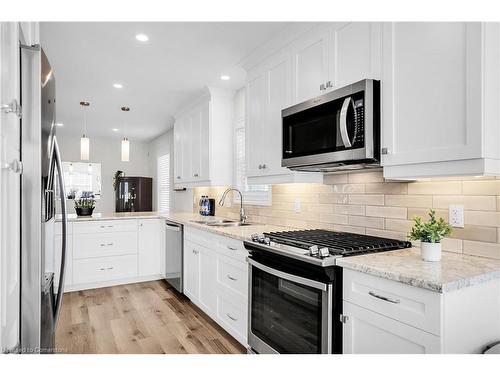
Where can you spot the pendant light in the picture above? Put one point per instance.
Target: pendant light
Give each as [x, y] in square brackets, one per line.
[84, 141]
[125, 142]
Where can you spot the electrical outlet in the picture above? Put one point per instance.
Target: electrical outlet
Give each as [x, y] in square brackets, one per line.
[297, 205]
[456, 212]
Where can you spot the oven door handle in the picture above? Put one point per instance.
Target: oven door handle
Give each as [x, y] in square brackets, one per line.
[343, 121]
[283, 275]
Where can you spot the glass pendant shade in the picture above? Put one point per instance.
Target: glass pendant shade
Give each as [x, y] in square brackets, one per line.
[84, 148]
[125, 149]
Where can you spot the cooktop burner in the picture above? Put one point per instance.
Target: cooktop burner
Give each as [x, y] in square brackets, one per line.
[338, 243]
[320, 246]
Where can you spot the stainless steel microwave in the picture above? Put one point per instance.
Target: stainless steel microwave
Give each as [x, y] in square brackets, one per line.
[337, 131]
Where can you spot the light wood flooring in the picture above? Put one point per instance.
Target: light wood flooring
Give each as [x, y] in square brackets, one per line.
[144, 318]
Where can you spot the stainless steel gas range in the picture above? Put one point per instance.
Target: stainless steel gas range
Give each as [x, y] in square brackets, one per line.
[295, 288]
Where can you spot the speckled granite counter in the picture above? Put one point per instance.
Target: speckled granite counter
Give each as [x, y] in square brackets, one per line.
[455, 271]
[185, 218]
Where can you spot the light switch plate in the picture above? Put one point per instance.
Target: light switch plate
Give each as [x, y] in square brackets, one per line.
[297, 205]
[456, 215]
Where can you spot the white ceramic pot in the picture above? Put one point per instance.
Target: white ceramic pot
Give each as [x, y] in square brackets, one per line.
[431, 252]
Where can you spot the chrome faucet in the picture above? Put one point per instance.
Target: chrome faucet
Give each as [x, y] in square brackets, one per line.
[243, 217]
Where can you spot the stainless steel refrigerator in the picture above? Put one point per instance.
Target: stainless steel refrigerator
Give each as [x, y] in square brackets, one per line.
[40, 303]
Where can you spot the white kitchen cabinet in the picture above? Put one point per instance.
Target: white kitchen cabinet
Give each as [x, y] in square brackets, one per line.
[149, 247]
[440, 94]
[268, 92]
[203, 140]
[367, 332]
[355, 53]
[207, 280]
[310, 64]
[191, 271]
[216, 279]
[386, 316]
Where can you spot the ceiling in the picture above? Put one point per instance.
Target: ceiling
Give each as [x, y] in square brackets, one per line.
[177, 61]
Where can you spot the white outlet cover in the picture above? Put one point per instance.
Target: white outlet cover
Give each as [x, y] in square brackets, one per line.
[297, 205]
[456, 215]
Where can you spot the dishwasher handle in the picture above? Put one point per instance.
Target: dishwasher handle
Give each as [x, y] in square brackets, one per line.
[173, 227]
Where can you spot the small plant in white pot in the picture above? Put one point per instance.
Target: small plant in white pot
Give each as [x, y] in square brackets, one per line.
[430, 235]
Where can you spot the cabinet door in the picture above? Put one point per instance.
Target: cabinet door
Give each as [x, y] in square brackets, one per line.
[208, 280]
[149, 247]
[431, 92]
[205, 141]
[196, 142]
[367, 332]
[187, 149]
[309, 66]
[191, 271]
[256, 123]
[178, 151]
[356, 53]
[278, 98]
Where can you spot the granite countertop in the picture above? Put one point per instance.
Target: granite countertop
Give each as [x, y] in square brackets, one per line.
[186, 218]
[455, 271]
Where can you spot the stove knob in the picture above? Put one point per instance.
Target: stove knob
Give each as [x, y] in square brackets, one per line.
[313, 250]
[255, 237]
[267, 241]
[260, 238]
[323, 252]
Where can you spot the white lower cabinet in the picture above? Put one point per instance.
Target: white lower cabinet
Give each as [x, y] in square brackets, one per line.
[367, 332]
[385, 316]
[216, 279]
[110, 252]
[149, 234]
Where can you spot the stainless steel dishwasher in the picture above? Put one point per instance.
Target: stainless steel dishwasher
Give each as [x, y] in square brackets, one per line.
[174, 254]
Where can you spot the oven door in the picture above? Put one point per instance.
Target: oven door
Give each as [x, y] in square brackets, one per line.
[288, 314]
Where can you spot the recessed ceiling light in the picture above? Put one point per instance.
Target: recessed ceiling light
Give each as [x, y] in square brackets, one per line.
[142, 37]
[60, 124]
[117, 85]
[115, 129]
[225, 77]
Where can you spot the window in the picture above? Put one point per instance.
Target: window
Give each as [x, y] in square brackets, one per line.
[253, 194]
[163, 179]
[81, 180]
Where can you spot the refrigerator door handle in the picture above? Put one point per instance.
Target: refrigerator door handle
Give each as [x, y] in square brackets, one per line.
[60, 289]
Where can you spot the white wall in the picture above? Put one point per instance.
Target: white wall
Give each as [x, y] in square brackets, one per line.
[108, 153]
[163, 144]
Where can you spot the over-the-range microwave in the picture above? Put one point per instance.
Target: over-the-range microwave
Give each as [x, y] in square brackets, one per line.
[336, 131]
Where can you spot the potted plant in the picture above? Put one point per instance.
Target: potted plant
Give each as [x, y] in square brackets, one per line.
[84, 206]
[430, 235]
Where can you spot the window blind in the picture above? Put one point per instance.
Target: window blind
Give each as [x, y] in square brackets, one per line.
[163, 182]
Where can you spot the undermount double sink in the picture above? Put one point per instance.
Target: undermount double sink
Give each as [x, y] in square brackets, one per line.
[220, 223]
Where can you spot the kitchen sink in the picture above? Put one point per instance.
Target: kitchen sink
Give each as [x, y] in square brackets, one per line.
[220, 223]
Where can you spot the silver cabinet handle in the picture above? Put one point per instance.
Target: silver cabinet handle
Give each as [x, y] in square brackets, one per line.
[106, 269]
[322, 87]
[231, 317]
[384, 151]
[329, 84]
[232, 278]
[260, 166]
[178, 177]
[196, 252]
[195, 175]
[109, 244]
[387, 299]
[232, 248]
[264, 166]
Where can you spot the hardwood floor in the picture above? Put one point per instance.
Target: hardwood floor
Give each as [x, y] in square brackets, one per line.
[146, 318]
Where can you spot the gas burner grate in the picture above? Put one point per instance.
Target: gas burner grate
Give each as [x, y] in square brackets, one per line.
[338, 243]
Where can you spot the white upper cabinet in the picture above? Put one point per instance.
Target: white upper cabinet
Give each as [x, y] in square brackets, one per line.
[310, 65]
[203, 140]
[356, 53]
[440, 99]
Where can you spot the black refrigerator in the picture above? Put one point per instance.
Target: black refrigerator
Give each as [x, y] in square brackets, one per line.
[134, 194]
